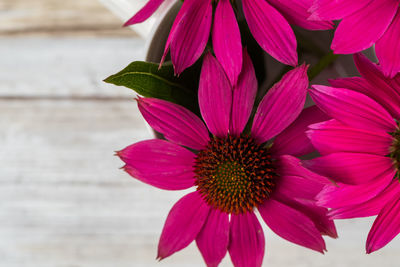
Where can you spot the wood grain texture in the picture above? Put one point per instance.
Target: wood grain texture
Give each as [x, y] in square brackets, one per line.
[65, 67]
[55, 17]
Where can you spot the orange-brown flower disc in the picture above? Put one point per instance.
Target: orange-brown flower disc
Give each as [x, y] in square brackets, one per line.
[234, 174]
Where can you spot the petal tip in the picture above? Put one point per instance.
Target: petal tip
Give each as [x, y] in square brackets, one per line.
[126, 24]
[368, 249]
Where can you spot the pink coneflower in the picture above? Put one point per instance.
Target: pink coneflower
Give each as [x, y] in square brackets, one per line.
[268, 21]
[364, 23]
[234, 172]
[360, 149]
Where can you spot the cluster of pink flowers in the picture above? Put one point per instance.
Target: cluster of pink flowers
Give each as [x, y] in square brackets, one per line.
[241, 156]
[268, 21]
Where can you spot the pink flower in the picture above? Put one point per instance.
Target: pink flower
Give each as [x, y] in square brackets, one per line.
[360, 149]
[268, 21]
[364, 23]
[233, 172]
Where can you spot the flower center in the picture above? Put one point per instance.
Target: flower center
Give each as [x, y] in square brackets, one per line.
[234, 174]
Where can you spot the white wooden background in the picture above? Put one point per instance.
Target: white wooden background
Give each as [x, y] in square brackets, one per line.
[63, 200]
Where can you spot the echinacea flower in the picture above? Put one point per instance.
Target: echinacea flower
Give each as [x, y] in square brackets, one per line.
[233, 172]
[268, 21]
[364, 23]
[360, 149]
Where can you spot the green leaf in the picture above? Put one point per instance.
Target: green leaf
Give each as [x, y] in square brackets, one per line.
[147, 80]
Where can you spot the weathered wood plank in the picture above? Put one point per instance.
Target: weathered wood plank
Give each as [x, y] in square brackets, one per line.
[65, 67]
[54, 17]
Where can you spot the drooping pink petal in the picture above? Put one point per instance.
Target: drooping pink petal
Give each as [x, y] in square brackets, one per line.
[271, 30]
[281, 105]
[337, 9]
[319, 215]
[291, 225]
[297, 187]
[145, 12]
[293, 140]
[369, 208]
[381, 89]
[183, 224]
[291, 166]
[246, 245]
[226, 40]
[343, 195]
[352, 108]
[332, 136]
[191, 35]
[387, 48]
[160, 163]
[386, 226]
[364, 27]
[244, 94]
[175, 122]
[213, 239]
[350, 168]
[296, 12]
[386, 96]
[215, 96]
[182, 11]
[295, 181]
[299, 194]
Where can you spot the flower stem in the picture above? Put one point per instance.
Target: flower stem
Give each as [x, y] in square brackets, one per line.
[324, 62]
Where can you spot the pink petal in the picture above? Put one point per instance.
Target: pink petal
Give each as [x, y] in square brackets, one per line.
[226, 40]
[297, 187]
[308, 207]
[291, 225]
[344, 195]
[183, 224]
[358, 84]
[385, 95]
[318, 215]
[160, 163]
[184, 9]
[337, 9]
[295, 181]
[293, 140]
[213, 239]
[363, 28]
[350, 168]
[395, 82]
[296, 12]
[381, 89]
[271, 30]
[191, 35]
[145, 12]
[215, 96]
[176, 123]
[369, 208]
[244, 94]
[333, 136]
[352, 108]
[281, 105]
[292, 166]
[247, 242]
[386, 226]
[387, 48]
